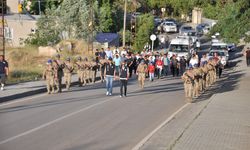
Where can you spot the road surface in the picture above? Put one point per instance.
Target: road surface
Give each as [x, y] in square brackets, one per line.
[86, 118]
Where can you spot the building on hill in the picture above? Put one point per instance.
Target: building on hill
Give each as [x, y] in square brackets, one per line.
[17, 26]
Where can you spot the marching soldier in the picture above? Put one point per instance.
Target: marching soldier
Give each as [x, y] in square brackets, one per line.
[201, 76]
[205, 76]
[68, 69]
[87, 68]
[188, 78]
[58, 66]
[80, 70]
[196, 82]
[102, 63]
[141, 72]
[211, 72]
[92, 72]
[48, 75]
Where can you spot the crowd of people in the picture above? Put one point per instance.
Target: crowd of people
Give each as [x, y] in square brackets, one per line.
[120, 65]
[201, 74]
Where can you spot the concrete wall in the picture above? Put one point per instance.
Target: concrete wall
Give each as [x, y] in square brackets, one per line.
[12, 6]
[21, 29]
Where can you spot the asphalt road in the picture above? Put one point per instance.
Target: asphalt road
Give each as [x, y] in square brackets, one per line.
[87, 119]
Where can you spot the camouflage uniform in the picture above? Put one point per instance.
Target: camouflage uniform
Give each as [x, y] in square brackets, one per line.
[141, 71]
[80, 71]
[196, 82]
[58, 66]
[188, 79]
[201, 74]
[86, 71]
[102, 63]
[205, 77]
[49, 74]
[68, 69]
[211, 73]
[92, 72]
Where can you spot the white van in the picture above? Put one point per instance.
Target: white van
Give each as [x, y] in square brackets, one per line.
[181, 46]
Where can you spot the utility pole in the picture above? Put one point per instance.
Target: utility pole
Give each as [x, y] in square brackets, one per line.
[91, 28]
[124, 24]
[3, 22]
[39, 6]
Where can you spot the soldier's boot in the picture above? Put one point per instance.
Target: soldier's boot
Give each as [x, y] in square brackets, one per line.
[48, 89]
[142, 84]
[53, 89]
[80, 82]
[189, 100]
[67, 86]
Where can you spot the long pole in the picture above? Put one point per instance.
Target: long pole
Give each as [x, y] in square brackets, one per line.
[124, 24]
[92, 27]
[3, 28]
[39, 5]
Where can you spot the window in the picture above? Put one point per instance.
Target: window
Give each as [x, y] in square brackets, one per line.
[8, 33]
[4, 7]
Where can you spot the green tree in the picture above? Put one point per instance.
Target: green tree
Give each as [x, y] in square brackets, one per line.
[105, 17]
[233, 21]
[145, 29]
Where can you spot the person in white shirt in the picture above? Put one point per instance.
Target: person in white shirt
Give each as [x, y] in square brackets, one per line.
[116, 51]
[109, 53]
[194, 60]
[124, 52]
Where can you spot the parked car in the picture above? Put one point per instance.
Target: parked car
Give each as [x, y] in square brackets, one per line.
[200, 28]
[136, 14]
[185, 29]
[172, 20]
[157, 21]
[231, 47]
[169, 26]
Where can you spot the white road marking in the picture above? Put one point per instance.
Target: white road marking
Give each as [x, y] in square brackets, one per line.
[145, 139]
[54, 121]
[58, 119]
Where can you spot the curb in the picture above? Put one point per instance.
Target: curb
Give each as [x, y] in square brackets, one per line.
[35, 92]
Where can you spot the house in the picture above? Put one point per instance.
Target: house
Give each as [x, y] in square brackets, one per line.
[106, 40]
[17, 26]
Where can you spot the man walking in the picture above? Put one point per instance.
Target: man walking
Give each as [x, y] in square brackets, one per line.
[58, 65]
[4, 71]
[68, 69]
[80, 69]
[174, 66]
[247, 54]
[123, 74]
[188, 78]
[151, 70]
[48, 75]
[117, 61]
[141, 72]
[102, 63]
[109, 75]
[109, 53]
[159, 66]
[166, 63]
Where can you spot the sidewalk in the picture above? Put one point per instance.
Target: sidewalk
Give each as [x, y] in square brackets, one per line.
[21, 90]
[24, 89]
[220, 123]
